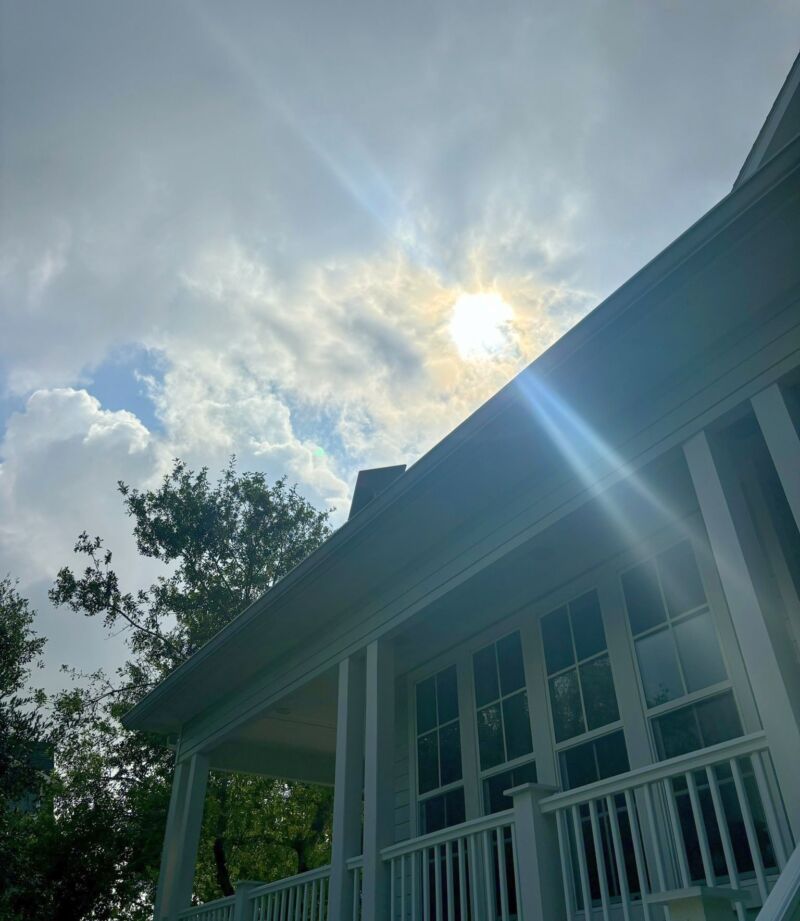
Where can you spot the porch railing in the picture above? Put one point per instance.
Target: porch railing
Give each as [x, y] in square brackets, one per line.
[218, 910]
[713, 817]
[464, 872]
[355, 867]
[297, 898]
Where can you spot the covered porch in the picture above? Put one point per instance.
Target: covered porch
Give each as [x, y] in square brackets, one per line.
[527, 830]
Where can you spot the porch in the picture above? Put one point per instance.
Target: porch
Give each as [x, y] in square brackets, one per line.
[600, 721]
[711, 819]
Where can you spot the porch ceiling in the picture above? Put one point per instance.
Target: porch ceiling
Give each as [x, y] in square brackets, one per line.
[293, 740]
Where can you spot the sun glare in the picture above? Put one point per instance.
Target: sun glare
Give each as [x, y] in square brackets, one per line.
[479, 325]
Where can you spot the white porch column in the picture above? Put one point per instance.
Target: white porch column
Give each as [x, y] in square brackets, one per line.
[378, 778]
[182, 836]
[169, 850]
[769, 690]
[347, 786]
[782, 441]
[540, 887]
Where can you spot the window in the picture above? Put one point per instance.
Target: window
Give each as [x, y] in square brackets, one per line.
[678, 653]
[504, 725]
[439, 770]
[581, 690]
[595, 760]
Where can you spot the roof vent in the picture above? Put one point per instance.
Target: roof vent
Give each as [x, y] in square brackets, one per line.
[371, 483]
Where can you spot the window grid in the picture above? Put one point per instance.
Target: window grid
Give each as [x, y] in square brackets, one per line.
[436, 728]
[668, 625]
[507, 765]
[689, 699]
[498, 701]
[587, 733]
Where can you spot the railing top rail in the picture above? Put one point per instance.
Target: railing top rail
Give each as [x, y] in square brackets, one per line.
[355, 863]
[206, 906]
[735, 748]
[298, 880]
[473, 826]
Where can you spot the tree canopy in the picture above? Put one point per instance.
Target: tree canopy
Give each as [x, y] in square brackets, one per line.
[93, 848]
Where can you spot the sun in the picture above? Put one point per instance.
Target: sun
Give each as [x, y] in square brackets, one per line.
[479, 325]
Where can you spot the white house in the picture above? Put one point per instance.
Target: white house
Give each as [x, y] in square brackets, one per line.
[552, 669]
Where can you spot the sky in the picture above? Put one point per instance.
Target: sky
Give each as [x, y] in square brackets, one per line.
[318, 235]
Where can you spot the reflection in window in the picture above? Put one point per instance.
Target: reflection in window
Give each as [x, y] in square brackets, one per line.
[503, 718]
[687, 729]
[588, 762]
[580, 682]
[678, 652]
[439, 751]
[494, 787]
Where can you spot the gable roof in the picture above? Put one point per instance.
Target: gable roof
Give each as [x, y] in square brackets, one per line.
[782, 125]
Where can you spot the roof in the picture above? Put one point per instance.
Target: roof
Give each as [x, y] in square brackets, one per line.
[781, 126]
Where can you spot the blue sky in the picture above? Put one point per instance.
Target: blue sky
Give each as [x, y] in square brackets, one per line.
[319, 235]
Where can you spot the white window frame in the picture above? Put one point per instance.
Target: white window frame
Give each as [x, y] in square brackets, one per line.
[667, 542]
[435, 668]
[566, 597]
[522, 760]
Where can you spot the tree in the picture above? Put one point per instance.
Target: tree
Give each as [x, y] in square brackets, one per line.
[222, 545]
[22, 736]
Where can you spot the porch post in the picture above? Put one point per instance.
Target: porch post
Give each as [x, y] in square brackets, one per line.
[540, 887]
[347, 786]
[783, 442]
[770, 692]
[182, 837]
[378, 778]
[169, 850]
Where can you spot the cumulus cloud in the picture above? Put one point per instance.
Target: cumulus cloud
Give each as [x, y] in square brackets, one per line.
[61, 457]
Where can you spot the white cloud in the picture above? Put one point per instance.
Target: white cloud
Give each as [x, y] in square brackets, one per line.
[287, 207]
[61, 458]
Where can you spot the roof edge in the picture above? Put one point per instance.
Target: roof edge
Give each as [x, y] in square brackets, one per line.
[755, 158]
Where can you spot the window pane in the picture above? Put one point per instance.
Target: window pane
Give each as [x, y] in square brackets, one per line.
[432, 814]
[599, 699]
[447, 694]
[680, 579]
[557, 641]
[517, 723]
[719, 719]
[699, 651]
[442, 811]
[490, 737]
[454, 811]
[578, 766]
[587, 625]
[677, 733]
[659, 668]
[493, 787]
[485, 671]
[426, 705]
[612, 755]
[566, 705]
[428, 761]
[509, 658]
[450, 753]
[643, 598]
